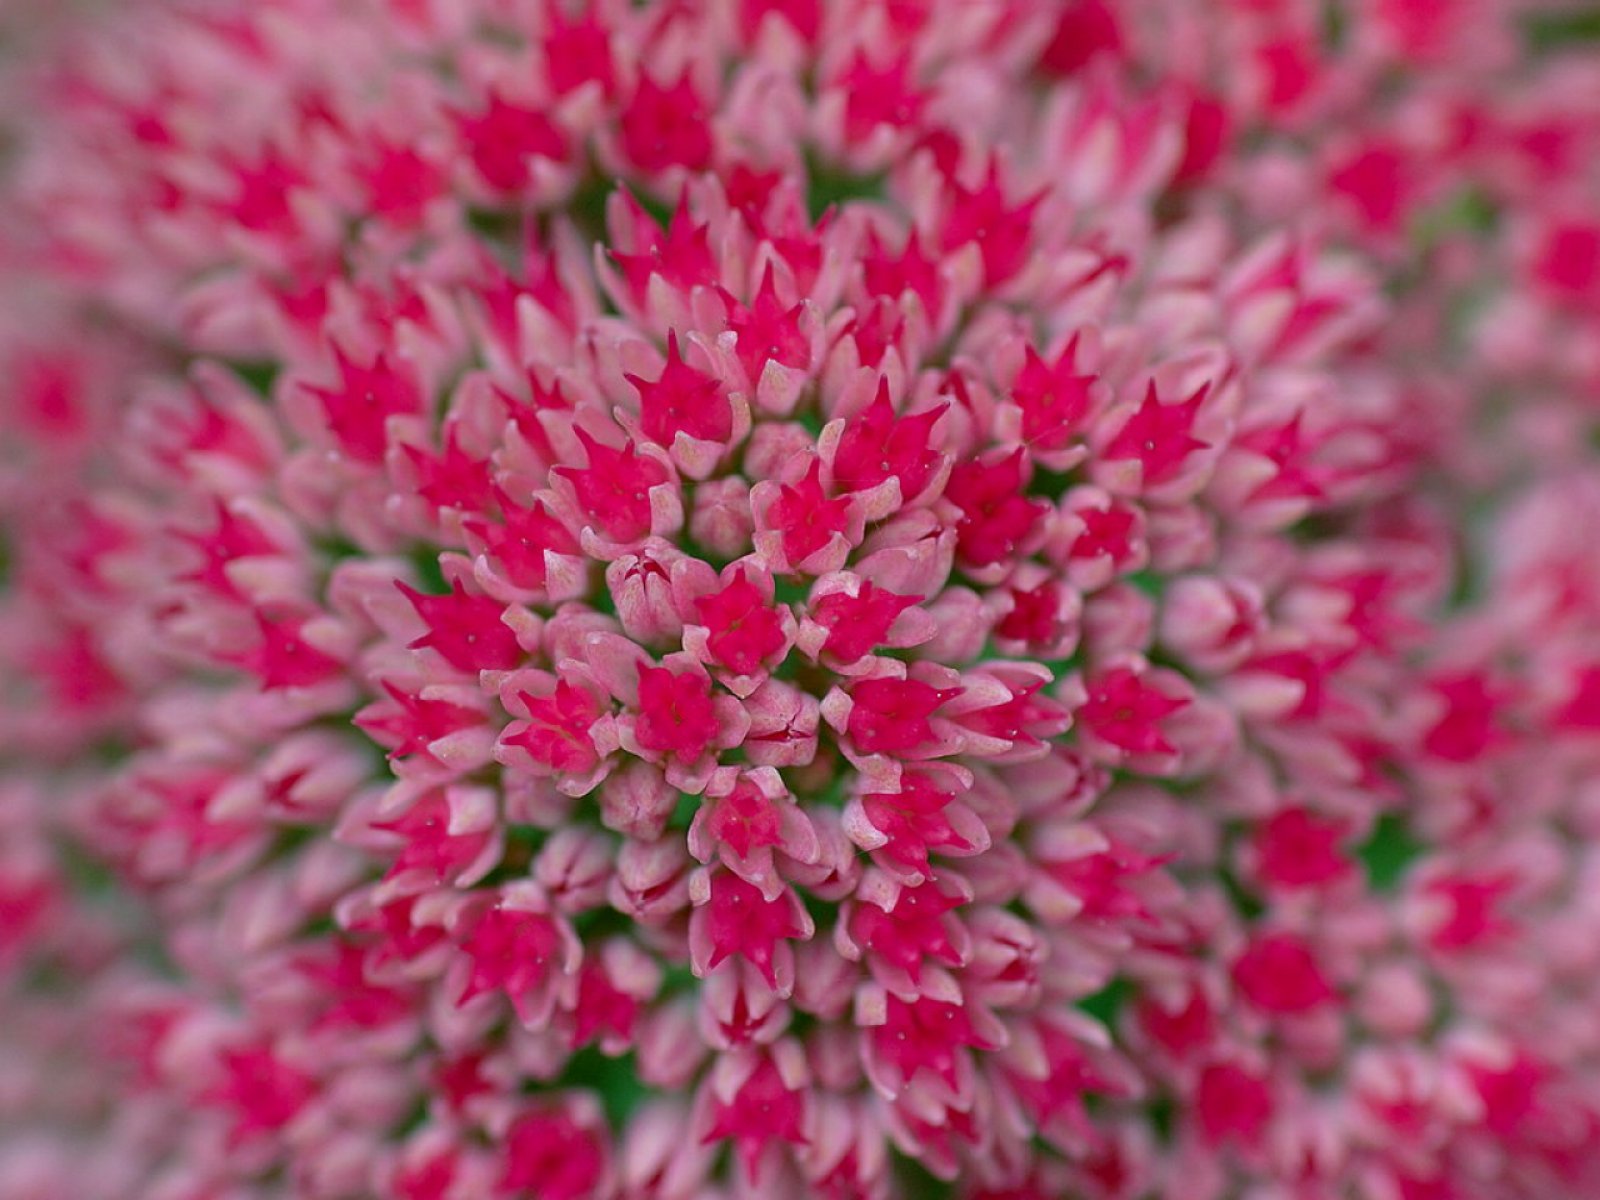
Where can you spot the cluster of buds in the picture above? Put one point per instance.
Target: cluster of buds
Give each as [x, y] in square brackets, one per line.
[781, 598]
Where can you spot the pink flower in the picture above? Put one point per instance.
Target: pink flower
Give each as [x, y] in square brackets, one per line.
[1231, 1103]
[521, 953]
[736, 919]
[683, 400]
[676, 715]
[874, 447]
[997, 518]
[505, 136]
[765, 1109]
[891, 715]
[743, 630]
[464, 630]
[665, 126]
[1277, 973]
[614, 489]
[552, 1152]
[1125, 712]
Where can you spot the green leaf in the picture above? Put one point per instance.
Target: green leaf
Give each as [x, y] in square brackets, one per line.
[918, 1183]
[1245, 902]
[430, 576]
[683, 812]
[1389, 852]
[827, 187]
[615, 1080]
[1051, 485]
[258, 376]
[1110, 1000]
[1552, 30]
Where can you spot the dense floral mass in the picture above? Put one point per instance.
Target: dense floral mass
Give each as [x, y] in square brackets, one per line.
[875, 599]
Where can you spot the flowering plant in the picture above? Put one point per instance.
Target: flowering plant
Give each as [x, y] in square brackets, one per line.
[800, 598]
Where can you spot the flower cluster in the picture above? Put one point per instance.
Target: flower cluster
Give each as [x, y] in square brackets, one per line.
[801, 598]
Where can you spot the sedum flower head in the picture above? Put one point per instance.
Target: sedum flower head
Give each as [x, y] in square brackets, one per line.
[786, 599]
